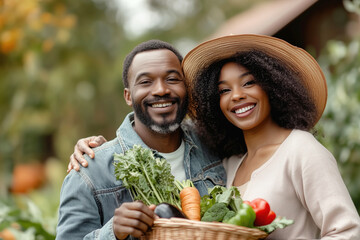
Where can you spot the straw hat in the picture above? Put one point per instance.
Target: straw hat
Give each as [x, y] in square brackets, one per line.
[295, 58]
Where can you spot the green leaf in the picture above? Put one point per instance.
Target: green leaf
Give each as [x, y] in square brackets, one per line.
[213, 192]
[218, 194]
[227, 195]
[206, 203]
[279, 222]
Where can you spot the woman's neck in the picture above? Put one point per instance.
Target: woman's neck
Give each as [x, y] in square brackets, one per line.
[269, 135]
[261, 143]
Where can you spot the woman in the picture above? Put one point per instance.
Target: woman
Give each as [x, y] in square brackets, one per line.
[254, 99]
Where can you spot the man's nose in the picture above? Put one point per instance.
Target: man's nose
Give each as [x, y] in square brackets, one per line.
[160, 88]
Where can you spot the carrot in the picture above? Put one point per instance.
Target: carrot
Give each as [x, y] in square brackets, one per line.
[190, 199]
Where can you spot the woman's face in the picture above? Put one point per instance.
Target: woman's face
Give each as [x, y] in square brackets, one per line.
[242, 100]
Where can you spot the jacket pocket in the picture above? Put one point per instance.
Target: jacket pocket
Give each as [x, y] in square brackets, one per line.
[109, 199]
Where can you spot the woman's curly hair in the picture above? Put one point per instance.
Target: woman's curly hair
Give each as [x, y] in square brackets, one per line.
[291, 105]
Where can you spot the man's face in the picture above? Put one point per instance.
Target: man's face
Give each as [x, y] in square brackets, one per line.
[157, 90]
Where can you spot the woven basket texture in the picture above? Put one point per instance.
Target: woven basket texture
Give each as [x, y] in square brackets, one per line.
[184, 229]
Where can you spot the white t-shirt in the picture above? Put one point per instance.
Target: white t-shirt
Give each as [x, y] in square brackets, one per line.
[301, 181]
[176, 160]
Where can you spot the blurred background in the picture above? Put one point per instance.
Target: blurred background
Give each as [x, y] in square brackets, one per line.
[60, 80]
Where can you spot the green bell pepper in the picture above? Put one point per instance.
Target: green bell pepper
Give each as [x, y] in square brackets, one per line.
[245, 216]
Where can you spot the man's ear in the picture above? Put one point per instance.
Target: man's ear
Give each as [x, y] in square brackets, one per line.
[127, 97]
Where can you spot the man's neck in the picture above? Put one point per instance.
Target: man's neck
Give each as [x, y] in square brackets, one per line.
[164, 143]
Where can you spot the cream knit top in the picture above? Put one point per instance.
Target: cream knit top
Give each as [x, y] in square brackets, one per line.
[301, 181]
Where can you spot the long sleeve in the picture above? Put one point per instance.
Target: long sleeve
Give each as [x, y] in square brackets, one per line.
[79, 216]
[322, 191]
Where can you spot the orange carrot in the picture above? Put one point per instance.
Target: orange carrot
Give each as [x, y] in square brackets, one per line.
[190, 199]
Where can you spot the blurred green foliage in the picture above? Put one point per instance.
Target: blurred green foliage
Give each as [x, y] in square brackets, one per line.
[24, 220]
[60, 80]
[340, 126]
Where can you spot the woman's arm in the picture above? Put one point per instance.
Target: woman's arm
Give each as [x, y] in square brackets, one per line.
[83, 146]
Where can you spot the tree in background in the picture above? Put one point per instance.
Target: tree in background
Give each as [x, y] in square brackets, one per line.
[53, 66]
[61, 68]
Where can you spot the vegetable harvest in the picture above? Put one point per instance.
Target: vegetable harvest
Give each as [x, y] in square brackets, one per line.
[149, 179]
[190, 199]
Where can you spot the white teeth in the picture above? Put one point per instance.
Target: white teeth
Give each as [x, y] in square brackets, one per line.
[242, 110]
[161, 105]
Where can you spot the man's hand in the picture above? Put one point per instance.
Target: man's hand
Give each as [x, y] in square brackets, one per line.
[84, 145]
[133, 218]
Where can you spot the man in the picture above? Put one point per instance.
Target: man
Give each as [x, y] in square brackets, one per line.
[93, 204]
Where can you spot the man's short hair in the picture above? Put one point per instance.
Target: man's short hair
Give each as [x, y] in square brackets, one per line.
[143, 47]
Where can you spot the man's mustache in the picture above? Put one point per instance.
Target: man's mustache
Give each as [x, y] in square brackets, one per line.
[161, 99]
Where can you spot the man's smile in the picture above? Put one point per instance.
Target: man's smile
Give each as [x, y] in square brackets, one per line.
[161, 105]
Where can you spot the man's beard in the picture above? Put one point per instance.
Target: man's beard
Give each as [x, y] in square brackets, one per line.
[164, 127]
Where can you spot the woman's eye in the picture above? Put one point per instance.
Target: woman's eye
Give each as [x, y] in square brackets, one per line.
[224, 90]
[249, 83]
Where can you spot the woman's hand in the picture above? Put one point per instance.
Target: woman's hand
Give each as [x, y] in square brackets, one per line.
[83, 146]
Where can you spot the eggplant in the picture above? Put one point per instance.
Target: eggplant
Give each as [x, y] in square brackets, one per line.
[166, 210]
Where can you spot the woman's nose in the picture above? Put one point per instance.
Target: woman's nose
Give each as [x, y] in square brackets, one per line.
[237, 94]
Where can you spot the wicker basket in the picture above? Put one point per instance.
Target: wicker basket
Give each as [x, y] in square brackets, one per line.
[179, 228]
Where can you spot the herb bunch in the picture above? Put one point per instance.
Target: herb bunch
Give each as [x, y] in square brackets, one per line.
[148, 178]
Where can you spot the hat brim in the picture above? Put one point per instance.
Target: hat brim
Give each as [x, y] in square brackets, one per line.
[297, 59]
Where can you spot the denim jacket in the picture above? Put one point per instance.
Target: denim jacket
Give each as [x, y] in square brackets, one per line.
[89, 197]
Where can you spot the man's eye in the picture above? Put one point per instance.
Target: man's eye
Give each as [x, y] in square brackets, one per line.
[174, 79]
[144, 81]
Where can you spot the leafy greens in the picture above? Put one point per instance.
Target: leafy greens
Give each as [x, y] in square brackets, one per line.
[148, 178]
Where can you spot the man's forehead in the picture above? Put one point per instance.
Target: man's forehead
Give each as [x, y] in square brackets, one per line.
[155, 55]
[154, 61]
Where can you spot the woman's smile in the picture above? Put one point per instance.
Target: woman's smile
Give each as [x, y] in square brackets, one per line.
[242, 110]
